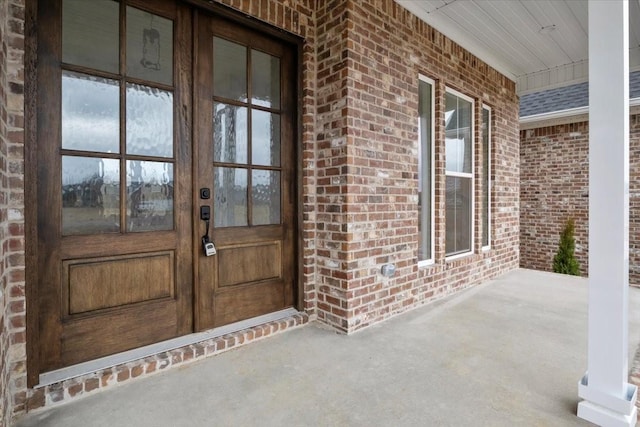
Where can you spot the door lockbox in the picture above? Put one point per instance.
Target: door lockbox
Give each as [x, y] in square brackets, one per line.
[209, 247]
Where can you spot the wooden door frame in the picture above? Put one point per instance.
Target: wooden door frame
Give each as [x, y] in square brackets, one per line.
[32, 76]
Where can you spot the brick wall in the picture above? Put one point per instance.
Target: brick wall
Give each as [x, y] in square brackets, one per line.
[554, 185]
[370, 53]
[358, 149]
[12, 302]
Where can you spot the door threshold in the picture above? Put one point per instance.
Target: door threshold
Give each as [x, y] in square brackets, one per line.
[91, 366]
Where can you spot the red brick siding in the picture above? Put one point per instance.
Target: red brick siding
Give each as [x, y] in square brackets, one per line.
[554, 185]
[369, 186]
[12, 301]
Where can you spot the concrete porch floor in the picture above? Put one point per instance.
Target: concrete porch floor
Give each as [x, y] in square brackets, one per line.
[508, 352]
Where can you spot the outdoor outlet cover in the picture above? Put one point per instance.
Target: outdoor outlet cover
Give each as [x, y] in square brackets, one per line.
[388, 270]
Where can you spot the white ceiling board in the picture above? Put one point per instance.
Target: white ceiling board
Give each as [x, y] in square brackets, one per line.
[474, 20]
[506, 34]
[453, 31]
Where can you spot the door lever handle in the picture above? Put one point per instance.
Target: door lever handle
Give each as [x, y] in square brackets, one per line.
[205, 213]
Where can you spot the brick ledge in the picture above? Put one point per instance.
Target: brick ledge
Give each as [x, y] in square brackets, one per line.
[77, 387]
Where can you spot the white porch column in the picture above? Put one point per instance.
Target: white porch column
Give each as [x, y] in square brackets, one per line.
[608, 399]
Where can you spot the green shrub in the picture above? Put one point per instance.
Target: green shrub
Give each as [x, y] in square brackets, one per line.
[565, 261]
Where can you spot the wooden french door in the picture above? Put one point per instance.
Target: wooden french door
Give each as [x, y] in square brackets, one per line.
[245, 118]
[114, 177]
[119, 195]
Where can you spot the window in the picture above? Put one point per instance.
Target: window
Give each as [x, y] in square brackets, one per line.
[486, 177]
[425, 170]
[459, 173]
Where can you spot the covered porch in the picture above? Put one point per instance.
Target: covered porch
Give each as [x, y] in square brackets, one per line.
[507, 352]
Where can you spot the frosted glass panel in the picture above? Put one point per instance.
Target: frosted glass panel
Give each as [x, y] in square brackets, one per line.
[265, 138]
[229, 133]
[90, 113]
[265, 197]
[229, 69]
[90, 195]
[149, 121]
[230, 197]
[265, 79]
[149, 46]
[149, 196]
[90, 34]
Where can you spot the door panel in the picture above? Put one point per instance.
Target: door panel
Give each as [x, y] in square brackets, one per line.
[114, 178]
[245, 125]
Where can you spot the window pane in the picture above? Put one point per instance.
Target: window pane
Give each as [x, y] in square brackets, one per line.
[486, 133]
[229, 133]
[458, 118]
[230, 197]
[149, 121]
[90, 195]
[149, 46]
[229, 69]
[265, 79]
[149, 196]
[458, 215]
[90, 34]
[265, 138]
[90, 113]
[265, 197]
[425, 170]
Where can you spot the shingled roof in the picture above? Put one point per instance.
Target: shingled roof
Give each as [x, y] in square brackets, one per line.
[567, 97]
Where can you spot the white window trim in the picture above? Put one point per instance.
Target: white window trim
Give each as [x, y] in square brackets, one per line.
[490, 183]
[466, 175]
[431, 260]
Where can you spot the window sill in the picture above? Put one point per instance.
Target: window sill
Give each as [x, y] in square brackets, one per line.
[458, 256]
[426, 263]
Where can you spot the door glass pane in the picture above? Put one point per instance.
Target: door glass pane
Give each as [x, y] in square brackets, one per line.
[265, 138]
[229, 69]
[149, 46]
[149, 121]
[90, 195]
[458, 215]
[265, 79]
[265, 197]
[90, 34]
[90, 113]
[149, 196]
[229, 133]
[230, 197]
[458, 115]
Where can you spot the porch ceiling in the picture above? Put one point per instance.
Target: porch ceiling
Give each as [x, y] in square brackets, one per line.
[539, 44]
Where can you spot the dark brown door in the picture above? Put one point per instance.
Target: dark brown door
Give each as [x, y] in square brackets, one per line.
[114, 177]
[245, 111]
[120, 260]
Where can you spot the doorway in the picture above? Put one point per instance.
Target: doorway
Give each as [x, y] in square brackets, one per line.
[158, 128]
